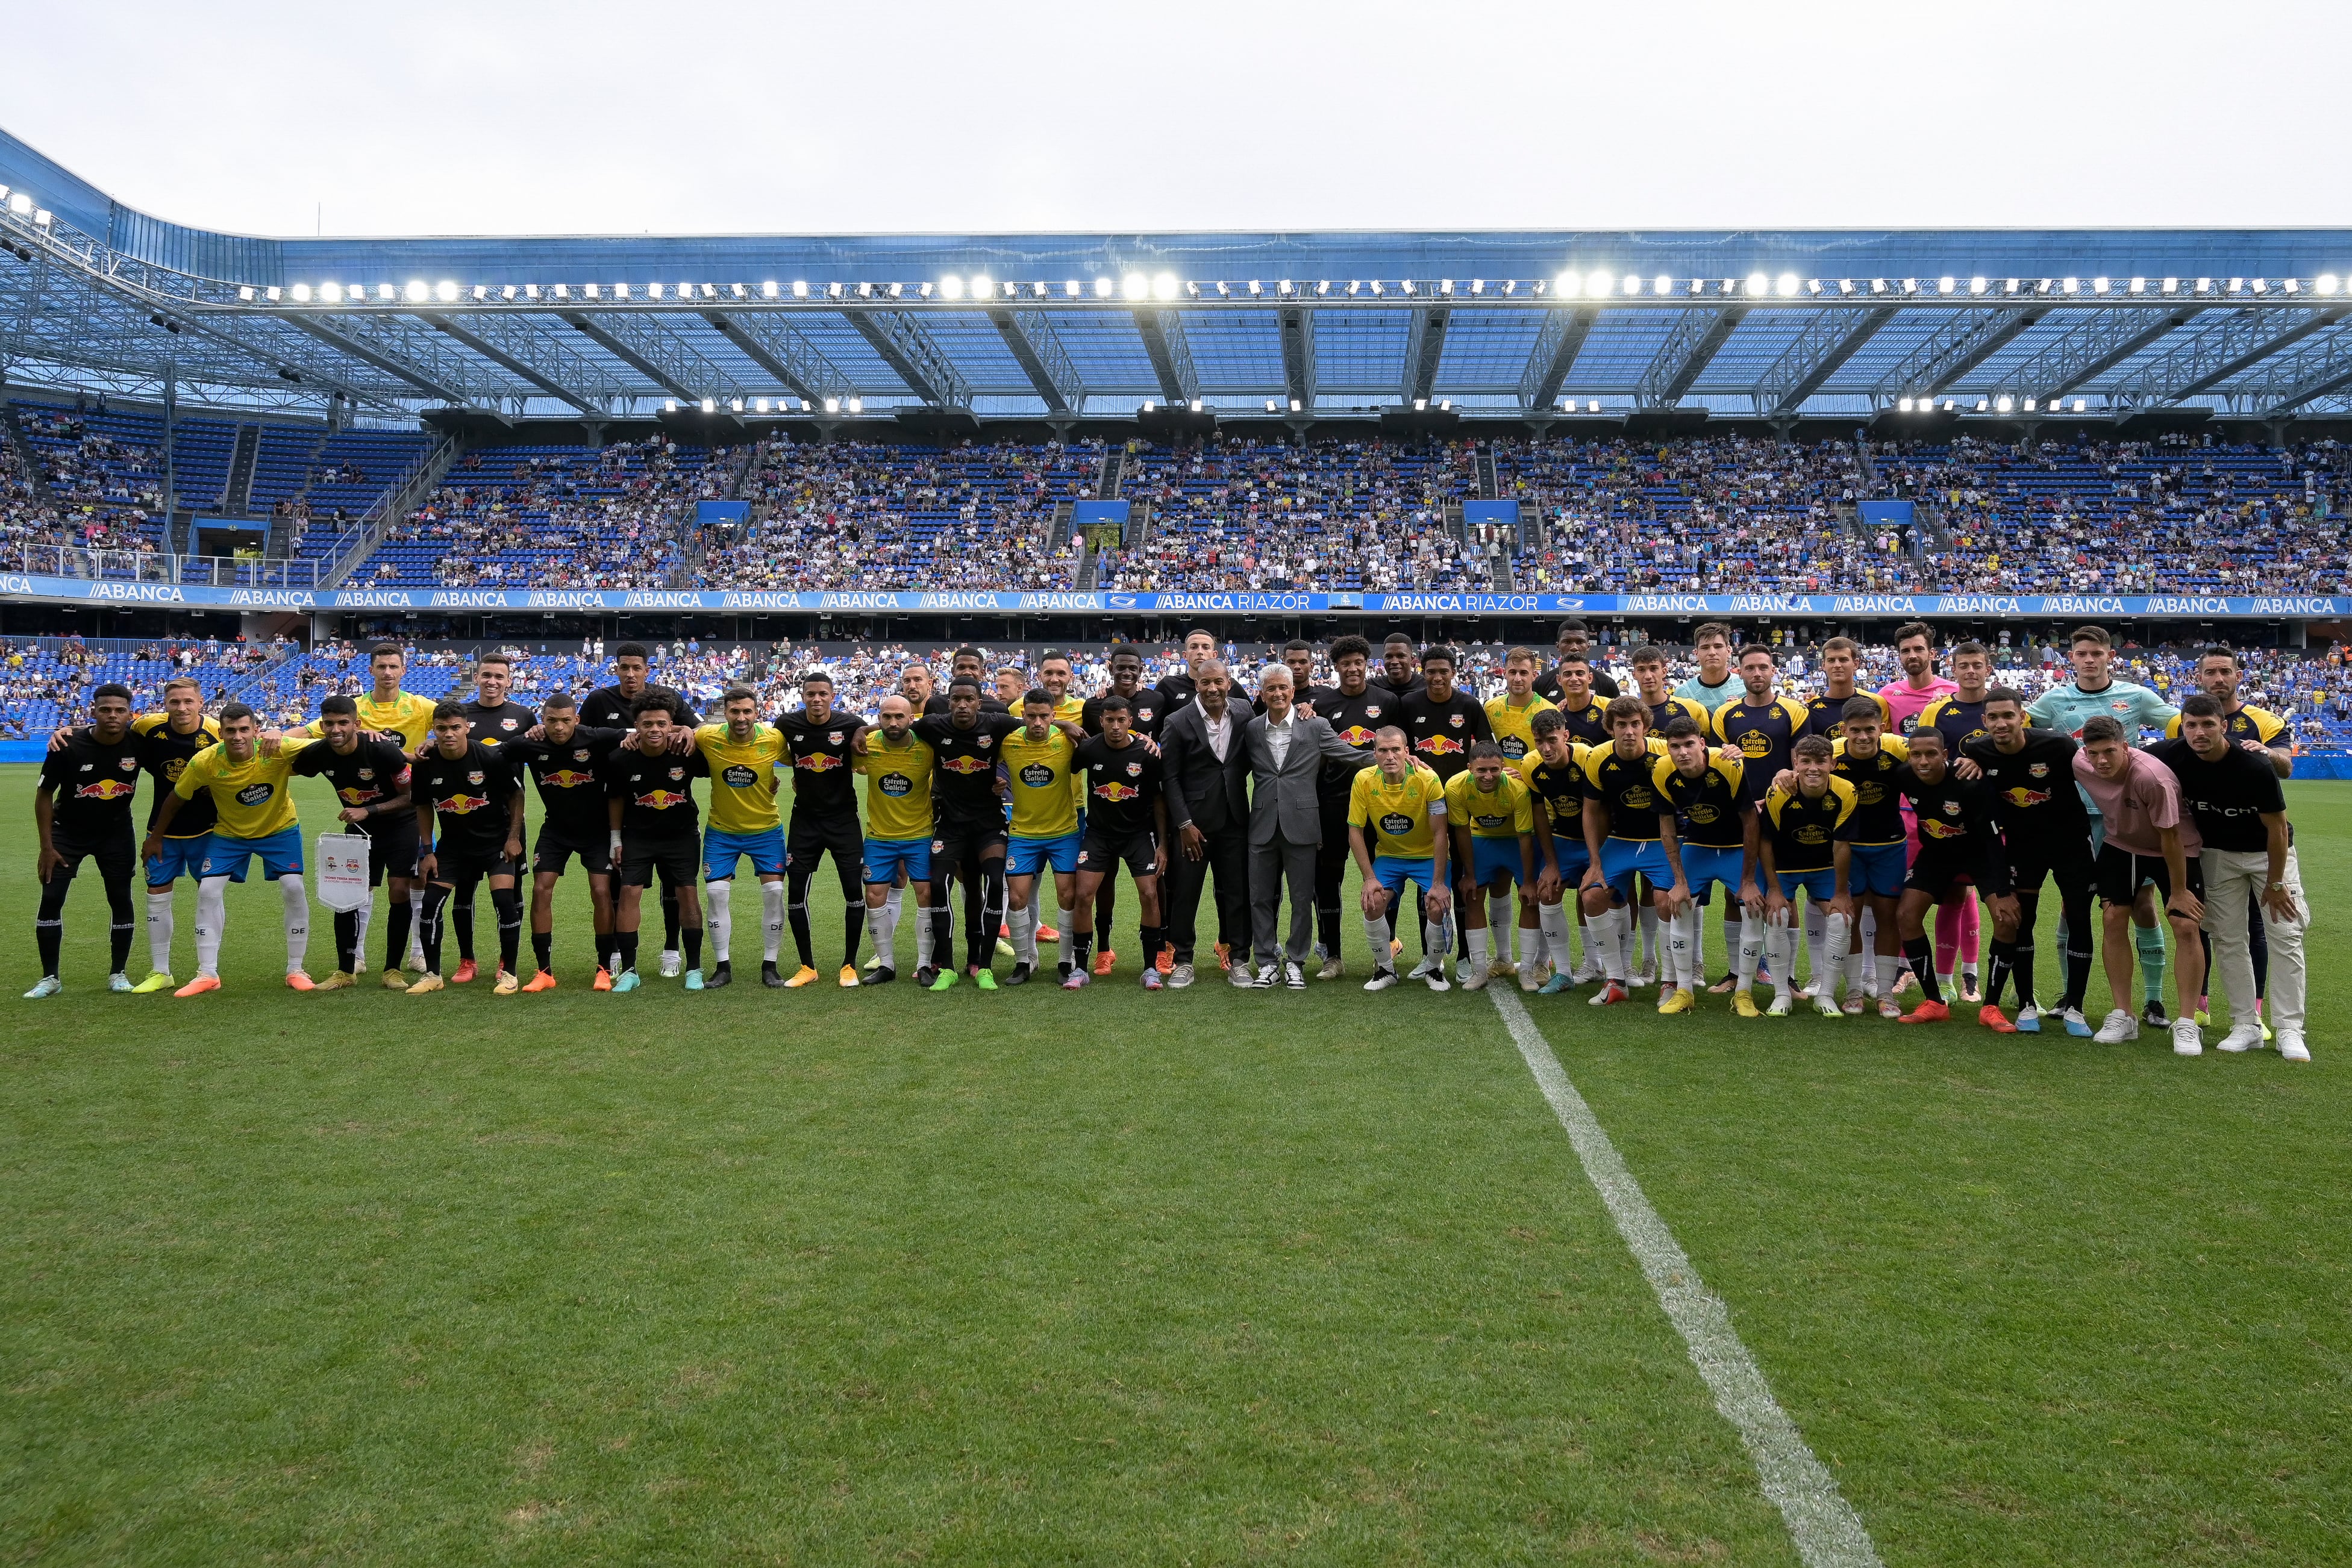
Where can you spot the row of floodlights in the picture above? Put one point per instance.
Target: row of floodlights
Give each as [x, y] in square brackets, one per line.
[778, 406]
[2004, 403]
[1138, 286]
[22, 205]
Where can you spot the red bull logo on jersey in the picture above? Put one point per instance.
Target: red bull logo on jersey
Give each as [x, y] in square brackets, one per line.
[106, 790]
[358, 795]
[567, 779]
[663, 800]
[1357, 736]
[1115, 791]
[1441, 745]
[967, 764]
[1937, 828]
[818, 761]
[2020, 796]
[463, 805]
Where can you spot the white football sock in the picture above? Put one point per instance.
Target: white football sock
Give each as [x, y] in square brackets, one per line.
[159, 931]
[1649, 954]
[1376, 932]
[771, 920]
[880, 921]
[1816, 945]
[1751, 949]
[1890, 970]
[1680, 935]
[1617, 943]
[297, 921]
[923, 931]
[1441, 943]
[1551, 919]
[1500, 921]
[1835, 937]
[211, 914]
[416, 924]
[1477, 963]
[1065, 919]
[1024, 925]
[1852, 966]
[1779, 939]
[720, 917]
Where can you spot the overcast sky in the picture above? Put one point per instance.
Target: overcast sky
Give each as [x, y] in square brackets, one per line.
[482, 118]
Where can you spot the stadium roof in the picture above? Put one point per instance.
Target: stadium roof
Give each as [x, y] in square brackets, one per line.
[2252, 324]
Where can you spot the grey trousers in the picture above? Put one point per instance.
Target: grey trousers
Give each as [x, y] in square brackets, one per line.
[1270, 865]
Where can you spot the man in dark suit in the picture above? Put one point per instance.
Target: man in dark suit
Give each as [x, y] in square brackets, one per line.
[1287, 751]
[1204, 766]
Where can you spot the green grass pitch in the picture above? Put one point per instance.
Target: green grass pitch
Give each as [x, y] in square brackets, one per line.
[1206, 1277]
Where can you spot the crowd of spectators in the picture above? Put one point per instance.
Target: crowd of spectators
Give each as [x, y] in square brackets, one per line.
[94, 490]
[858, 515]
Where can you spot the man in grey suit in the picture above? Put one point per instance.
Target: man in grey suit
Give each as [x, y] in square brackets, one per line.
[1287, 751]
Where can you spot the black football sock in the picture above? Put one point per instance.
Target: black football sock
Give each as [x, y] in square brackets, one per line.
[1920, 953]
[2004, 961]
[543, 948]
[626, 943]
[1081, 943]
[395, 930]
[1155, 935]
[693, 937]
[1106, 906]
[507, 901]
[669, 919]
[117, 901]
[942, 918]
[50, 924]
[853, 927]
[460, 917]
[429, 932]
[347, 941]
[796, 891]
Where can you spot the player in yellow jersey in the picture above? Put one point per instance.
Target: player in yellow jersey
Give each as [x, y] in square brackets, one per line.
[1806, 837]
[254, 816]
[742, 755]
[1396, 811]
[1054, 677]
[1491, 824]
[897, 770]
[1043, 826]
[403, 718]
[1512, 717]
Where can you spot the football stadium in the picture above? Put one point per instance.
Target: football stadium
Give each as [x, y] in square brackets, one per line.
[1685, 863]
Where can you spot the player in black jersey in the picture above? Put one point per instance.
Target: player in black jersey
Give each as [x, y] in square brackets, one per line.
[1442, 722]
[82, 810]
[493, 719]
[370, 778]
[1126, 823]
[968, 838]
[1400, 674]
[615, 708]
[2045, 830]
[476, 796]
[1146, 709]
[1583, 707]
[1840, 661]
[652, 831]
[1357, 711]
[824, 821]
[1959, 855]
[1574, 642]
[1176, 690]
[565, 757]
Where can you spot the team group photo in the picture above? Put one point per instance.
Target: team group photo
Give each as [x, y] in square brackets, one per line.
[1314, 787]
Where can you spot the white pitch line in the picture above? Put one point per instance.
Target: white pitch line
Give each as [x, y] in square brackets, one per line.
[1827, 1530]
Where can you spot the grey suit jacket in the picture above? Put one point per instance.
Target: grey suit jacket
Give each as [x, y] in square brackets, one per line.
[1287, 801]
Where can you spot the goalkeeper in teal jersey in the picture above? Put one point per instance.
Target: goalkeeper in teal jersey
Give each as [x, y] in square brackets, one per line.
[2092, 692]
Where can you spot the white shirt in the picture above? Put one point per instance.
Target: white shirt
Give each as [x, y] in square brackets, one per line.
[1221, 730]
[1277, 736]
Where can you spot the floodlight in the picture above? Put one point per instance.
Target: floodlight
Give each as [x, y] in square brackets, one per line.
[2204, 286]
[1447, 406]
[1420, 405]
[2029, 406]
[1568, 283]
[2098, 285]
[21, 204]
[1511, 283]
[1978, 284]
[1105, 288]
[982, 286]
[1196, 406]
[244, 292]
[866, 291]
[1375, 287]
[1406, 287]
[2080, 404]
[759, 405]
[709, 406]
[833, 291]
[2071, 284]
[531, 290]
[735, 404]
[1072, 289]
[2326, 283]
[857, 405]
[1135, 285]
[2237, 286]
[2260, 286]
[1633, 284]
[1255, 289]
[1148, 405]
[2005, 404]
[832, 406]
[418, 291]
[1845, 285]
[1812, 285]
[595, 292]
[386, 292]
[924, 290]
[1758, 283]
[2172, 286]
[272, 294]
[2292, 286]
[1164, 286]
[653, 291]
[951, 287]
[1878, 285]
[1445, 286]
[1594, 407]
[1270, 405]
[302, 293]
[1477, 285]
[1661, 284]
[1903, 404]
[768, 290]
[1224, 290]
[686, 291]
[1294, 405]
[669, 405]
[1786, 285]
[2136, 286]
[3, 192]
[445, 291]
[1354, 285]
[800, 288]
[41, 218]
[1946, 284]
[1980, 405]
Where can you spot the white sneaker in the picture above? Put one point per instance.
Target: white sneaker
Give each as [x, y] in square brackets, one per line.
[2244, 1037]
[1532, 977]
[670, 964]
[117, 981]
[1828, 1008]
[47, 985]
[1641, 978]
[1332, 969]
[2120, 1027]
[1421, 971]
[1473, 977]
[1382, 980]
[2291, 1045]
[1294, 975]
[1783, 1004]
[1435, 980]
[2186, 1040]
[415, 963]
